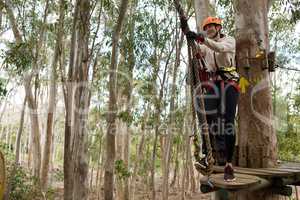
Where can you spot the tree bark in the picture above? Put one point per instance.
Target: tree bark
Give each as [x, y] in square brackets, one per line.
[81, 99]
[52, 96]
[202, 10]
[69, 104]
[156, 132]
[112, 108]
[128, 94]
[171, 127]
[36, 151]
[8, 7]
[32, 104]
[186, 144]
[138, 158]
[257, 139]
[20, 131]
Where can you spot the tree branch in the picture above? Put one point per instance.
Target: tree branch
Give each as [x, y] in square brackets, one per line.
[8, 7]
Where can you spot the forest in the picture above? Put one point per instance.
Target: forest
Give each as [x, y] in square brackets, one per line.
[96, 102]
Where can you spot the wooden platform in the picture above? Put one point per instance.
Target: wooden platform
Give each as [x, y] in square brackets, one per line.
[254, 179]
[261, 172]
[243, 181]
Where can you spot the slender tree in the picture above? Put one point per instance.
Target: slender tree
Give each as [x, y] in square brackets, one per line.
[52, 95]
[112, 108]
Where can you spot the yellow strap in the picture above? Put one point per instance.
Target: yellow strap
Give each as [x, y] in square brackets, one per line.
[228, 69]
[244, 83]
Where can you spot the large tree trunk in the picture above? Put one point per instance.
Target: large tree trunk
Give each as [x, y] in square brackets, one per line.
[257, 139]
[81, 99]
[111, 118]
[52, 95]
[69, 104]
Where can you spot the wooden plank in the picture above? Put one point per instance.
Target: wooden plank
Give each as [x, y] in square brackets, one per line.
[293, 171]
[242, 181]
[289, 180]
[261, 172]
[292, 165]
[219, 169]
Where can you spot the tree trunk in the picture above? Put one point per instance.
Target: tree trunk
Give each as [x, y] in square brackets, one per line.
[99, 163]
[202, 10]
[168, 148]
[119, 153]
[9, 9]
[82, 102]
[176, 164]
[128, 94]
[172, 104]
[156, 132]
[111, 118]
[34, 128]
[4, 107]
[137, 161]
[51, 107]
[69, 104]
[18, 144]
[32, 104]
[186, 145]
[20, 131]
[257, 139]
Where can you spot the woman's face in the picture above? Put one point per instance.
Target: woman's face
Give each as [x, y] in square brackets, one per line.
[211, 30]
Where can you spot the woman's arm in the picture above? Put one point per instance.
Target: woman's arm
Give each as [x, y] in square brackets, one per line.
[225, 45]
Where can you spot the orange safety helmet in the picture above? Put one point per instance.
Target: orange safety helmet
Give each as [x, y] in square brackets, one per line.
[211, 20]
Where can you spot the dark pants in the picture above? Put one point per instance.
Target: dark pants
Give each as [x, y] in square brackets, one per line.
[220, 109]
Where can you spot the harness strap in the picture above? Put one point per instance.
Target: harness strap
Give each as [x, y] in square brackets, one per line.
[226, 73]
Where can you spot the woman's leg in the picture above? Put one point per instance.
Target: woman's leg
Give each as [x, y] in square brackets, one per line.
[231, 100]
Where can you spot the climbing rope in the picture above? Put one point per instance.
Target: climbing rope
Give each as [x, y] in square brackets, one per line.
[195, 64]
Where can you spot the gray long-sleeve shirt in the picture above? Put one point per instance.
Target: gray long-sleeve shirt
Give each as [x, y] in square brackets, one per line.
[224, 50]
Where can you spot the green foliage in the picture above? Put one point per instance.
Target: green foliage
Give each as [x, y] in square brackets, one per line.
[18, 58]
[121, 170]
[23, 186]
[226, 12]
[287, 112]
[7, 151]
[3, 89]
[144, 167]
[289, 148]
[292, 8]
[125, 116]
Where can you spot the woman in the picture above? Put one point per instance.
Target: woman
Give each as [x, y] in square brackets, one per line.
[221, 97]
